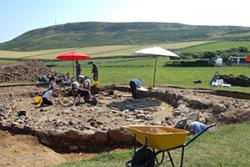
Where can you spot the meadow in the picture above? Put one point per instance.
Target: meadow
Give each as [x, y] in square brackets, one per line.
[121, 71]
[97, 51]
[217, 45]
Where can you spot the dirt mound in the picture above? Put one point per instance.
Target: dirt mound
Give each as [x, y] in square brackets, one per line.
[22, 71]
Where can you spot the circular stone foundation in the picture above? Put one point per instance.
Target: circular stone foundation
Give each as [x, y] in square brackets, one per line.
[85, 127]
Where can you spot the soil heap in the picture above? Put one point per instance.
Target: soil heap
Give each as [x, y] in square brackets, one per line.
[22, 71]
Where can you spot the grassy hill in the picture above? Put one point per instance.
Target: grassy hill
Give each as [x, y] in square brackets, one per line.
[87, 34]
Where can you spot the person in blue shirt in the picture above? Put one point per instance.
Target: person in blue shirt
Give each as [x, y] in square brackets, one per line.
[134, 85]
[47, 98]
[195, 127]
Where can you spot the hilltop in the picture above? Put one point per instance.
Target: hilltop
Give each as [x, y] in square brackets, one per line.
[101, 33]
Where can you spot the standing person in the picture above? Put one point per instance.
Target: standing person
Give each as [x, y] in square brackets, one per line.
[78, 70]
[94, 70]
[134, 84]
[47, 98]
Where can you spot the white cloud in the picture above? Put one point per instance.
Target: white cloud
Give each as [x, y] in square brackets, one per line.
[200, 12]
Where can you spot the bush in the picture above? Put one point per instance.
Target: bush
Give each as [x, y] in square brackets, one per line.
[192, 63]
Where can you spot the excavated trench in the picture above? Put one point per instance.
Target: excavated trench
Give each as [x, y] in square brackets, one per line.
[67, 128]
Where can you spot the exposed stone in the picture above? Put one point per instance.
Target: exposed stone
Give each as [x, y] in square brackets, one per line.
[197, 104]
[218, 108]
[177, 113]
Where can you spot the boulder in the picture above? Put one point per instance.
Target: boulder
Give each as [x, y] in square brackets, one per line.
[218, 108]
[197, 104]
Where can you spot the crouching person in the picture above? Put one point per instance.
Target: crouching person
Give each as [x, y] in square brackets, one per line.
[47, 98]
[78, 92]
[134, 85]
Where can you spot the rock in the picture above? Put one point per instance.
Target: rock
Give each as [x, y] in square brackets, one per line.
[177, 113]
[197, 104]
[167, 118]
[66, 111]
[140, 116]
[73, 109]
[15, 124]
[194, 116]
[87, 135]
[218, 108]
[129, 119]
[94, 124]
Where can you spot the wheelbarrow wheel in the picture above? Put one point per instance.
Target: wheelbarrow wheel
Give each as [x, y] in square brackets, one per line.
[142, 158]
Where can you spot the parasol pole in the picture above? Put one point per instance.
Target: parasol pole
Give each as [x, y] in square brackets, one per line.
[155, 70]
[73, 69]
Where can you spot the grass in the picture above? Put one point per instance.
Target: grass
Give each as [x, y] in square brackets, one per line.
[121, 71]
[6, 61]
[214, 46]
[228, 147]
[97, 51]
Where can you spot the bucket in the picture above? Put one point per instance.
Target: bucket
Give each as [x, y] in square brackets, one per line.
[38, 99]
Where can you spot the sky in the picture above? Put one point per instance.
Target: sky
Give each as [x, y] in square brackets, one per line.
[20, 16]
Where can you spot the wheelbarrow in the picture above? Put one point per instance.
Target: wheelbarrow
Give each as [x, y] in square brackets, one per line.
[161, 139]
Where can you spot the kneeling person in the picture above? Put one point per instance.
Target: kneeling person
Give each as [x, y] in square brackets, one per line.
[47, 98]
[134, 84]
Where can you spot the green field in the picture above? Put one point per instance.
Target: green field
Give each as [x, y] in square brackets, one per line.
[214, 46]
[97, 51]
[121, 71]
[228, 147]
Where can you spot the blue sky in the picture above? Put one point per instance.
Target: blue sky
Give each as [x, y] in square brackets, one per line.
[20, 16]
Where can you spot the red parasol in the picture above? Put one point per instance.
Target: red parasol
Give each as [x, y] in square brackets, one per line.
[72, 56]
[248, 58]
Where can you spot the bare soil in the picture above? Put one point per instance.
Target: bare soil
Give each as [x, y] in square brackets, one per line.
[26, 151]
[22, 71]
[64, 127]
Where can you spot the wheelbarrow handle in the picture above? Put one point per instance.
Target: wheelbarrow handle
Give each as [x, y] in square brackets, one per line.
[197, 135]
